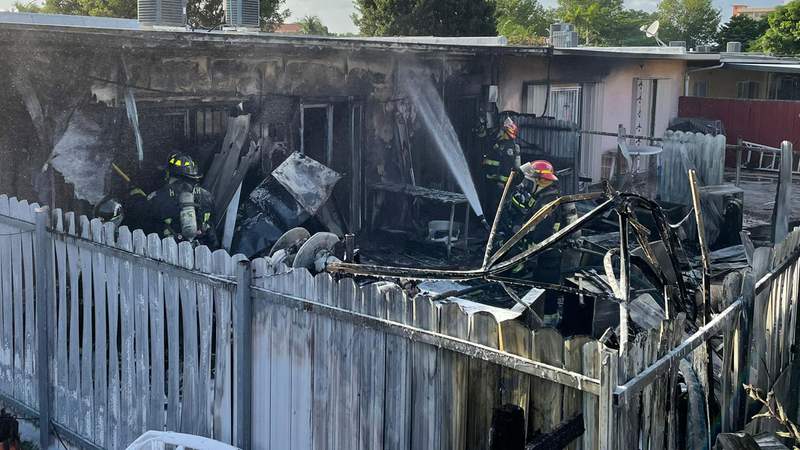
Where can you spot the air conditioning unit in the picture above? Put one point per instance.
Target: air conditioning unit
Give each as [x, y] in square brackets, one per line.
[734, 47]
[703, 49]
[242, 13]
[677, 44]
[564, 39]
[162, 12]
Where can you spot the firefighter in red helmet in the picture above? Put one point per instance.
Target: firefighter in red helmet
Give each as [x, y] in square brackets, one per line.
[539, 187]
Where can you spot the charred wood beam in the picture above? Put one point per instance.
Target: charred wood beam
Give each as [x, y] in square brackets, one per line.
[561, 436]
[497, 217]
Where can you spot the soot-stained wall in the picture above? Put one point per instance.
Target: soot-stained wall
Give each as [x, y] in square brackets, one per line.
[65, 92]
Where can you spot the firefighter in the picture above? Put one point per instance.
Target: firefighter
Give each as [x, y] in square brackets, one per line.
[539, 188]
[500, 160]
[182, 208]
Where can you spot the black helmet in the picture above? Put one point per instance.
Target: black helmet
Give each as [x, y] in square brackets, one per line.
[182, 165]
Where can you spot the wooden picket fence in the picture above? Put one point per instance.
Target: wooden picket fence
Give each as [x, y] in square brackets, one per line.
[360, 386]
[146, 334]
[140, 337]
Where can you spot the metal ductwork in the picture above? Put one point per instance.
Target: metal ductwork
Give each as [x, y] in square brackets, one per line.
[242, 13]
[162, 12]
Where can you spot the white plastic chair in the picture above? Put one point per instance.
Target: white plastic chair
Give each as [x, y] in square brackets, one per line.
[159, 440]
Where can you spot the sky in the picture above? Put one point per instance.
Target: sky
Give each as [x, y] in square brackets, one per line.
[335, 14]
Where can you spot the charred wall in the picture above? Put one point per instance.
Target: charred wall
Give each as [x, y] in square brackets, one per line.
[65, 91]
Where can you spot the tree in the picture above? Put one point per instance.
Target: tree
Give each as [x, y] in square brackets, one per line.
[523, 21]
[200, 13]
[693, 21]
[741, 29]
[783, 35]
[425, 17]
[313, 25]
[605, 22]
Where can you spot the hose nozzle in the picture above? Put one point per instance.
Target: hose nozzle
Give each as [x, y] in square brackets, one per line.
[485, 223]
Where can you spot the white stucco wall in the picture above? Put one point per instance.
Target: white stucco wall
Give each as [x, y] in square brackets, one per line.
[614, 78]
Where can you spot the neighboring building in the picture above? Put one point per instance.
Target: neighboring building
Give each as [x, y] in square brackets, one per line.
[753, 12]
[290, 28]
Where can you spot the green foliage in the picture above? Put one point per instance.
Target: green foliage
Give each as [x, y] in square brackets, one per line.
[741, 29]
[106, 8]
[693, 21]
[605, 22]
[783, 35]
[523, 21]
[200, 13]
[425, 17]
[313, 25]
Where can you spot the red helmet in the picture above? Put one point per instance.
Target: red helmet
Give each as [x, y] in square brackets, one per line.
[510, 128]
[539, 169]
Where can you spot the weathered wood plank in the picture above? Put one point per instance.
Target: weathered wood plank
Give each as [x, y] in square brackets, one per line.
[205, 312]
[483, 395]
[169, 254]
[62, 409]
[346, 391]
[424, 388]
[372, 370]
[397, 433]
[762, 263]
[114, 425]
[516, 338]
[300, 346]
[191, 408]
[323, 365]
[280, 371]
[29, 358]
[453, 379]
[262, 360]
[100, 336]
[6, 293]
[155, 301]
[87, 345]
[573, 398]
[223, 392]
[75, 380]
[127, 299]
[142, 281]
[546, 396]
[591, 418]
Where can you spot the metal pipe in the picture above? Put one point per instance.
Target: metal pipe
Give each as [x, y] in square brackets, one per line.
[497, 217]
[699, 69]
[643, 379]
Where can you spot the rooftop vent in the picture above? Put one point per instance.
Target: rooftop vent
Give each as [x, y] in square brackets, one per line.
[162, 12]
[242, 13]
[734, 47]
[563, 35]
[677, 44]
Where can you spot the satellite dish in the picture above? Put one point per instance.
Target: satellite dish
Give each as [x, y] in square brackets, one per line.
[651, 31]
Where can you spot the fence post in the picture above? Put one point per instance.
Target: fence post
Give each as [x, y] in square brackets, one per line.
[738, 161]
[609, 359]
[43, 294]
[242, 333]
[783, 198]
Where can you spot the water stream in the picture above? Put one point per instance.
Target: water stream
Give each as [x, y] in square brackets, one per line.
[422, 92]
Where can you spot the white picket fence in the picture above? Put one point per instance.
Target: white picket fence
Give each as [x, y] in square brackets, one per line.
[140, 339]
[146, 334]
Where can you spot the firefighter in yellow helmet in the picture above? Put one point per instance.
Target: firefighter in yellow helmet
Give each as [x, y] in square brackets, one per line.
[182, 208]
